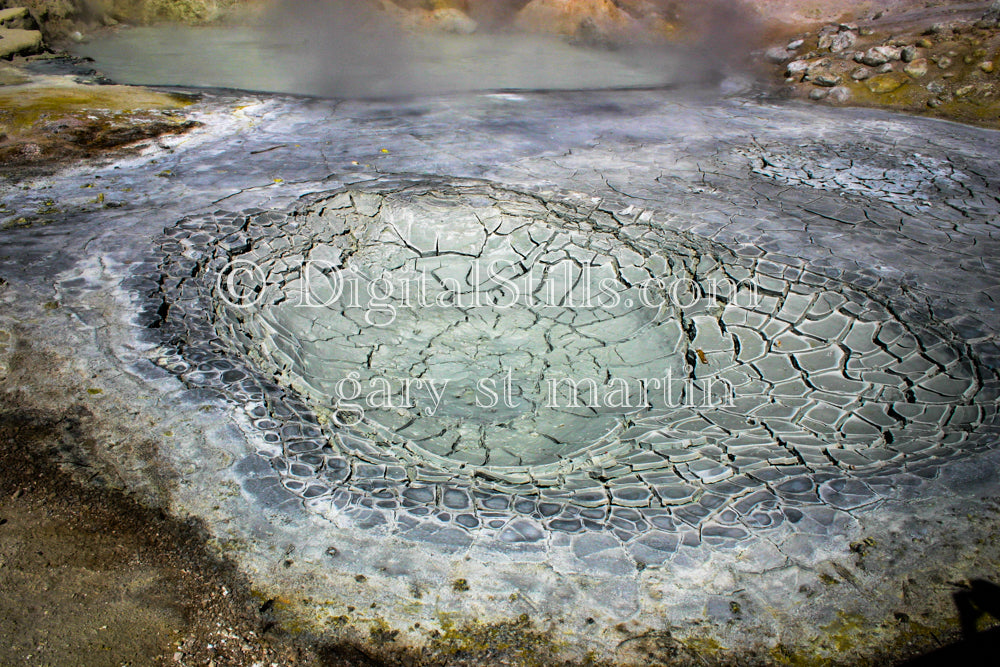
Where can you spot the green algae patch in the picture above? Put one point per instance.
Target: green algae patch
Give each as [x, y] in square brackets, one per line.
[22, 107]
[510, 642]
[44, 125]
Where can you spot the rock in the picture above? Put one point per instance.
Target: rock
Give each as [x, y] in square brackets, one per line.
[935, 87]
[866, 32]
[17, 42]
[879, 55]
[917, 68]
[908, 54]
[77, 36]
[884, 69]
[818, 94]
[777, 55]
[843, 41]
[449, 20]
[849, 26]
[986, 66]
[937, 29]
[886, 83]
[925, 43]
[861, 73]
[797, 68]
[18, 18]
[840, 94]
[795, 44]
[818, 68]
[933, 103]
[964, 91]
[944, 62]
[564, 17]
[826, 79]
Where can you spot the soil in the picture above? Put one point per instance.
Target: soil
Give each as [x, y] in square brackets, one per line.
[90, 577]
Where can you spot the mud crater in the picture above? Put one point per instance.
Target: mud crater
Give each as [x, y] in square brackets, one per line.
[823, 401]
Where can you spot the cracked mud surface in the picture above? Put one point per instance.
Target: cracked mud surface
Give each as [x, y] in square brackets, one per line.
[874, 417]
[821, 399]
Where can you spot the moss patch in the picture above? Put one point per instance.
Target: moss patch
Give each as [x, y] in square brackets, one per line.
[42, 126]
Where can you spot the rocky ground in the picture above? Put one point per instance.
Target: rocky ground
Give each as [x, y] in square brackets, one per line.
[90, 577]
[941, 62]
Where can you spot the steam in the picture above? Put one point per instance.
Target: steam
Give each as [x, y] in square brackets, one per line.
[359, 48]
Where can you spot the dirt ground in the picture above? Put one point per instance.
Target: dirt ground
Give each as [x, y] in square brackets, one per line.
[89, 577]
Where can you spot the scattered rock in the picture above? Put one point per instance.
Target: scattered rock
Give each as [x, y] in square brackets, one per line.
[884, 69]
[925, 43]
[917, 68]
[795, 44]
[908, 54]
[861, 73]
[937, 29]
[965, 90]
[886, 83]
[818, 94]
[944, 62]
[986, 66]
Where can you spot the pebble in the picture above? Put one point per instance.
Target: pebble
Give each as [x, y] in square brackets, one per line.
[795, 44]
[986, 66]
[917, 68]
[861, 73]
[818, 93]
[944, 62]
[909, 54]
[827, 80]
